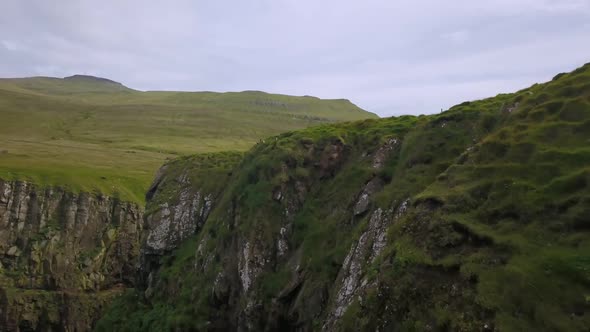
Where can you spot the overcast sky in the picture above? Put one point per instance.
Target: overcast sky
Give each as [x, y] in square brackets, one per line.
[387, 56]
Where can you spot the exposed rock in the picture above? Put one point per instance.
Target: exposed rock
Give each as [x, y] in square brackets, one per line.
[382, 154]
[171, 219]
[55, 240]
[362, 253]
[169, 226]
[203, 257]
[352, 268]
[512, 108]
[39, 310]
[402, 208]
[251, 263]
[277, 195]
[13, 251]
[282, 244]
[362, 204]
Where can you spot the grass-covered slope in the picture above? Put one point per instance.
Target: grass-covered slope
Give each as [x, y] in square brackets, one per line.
[89, 133]
[476, 219]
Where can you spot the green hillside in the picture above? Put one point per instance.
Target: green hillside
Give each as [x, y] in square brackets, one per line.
[476, 219]
[89, 133]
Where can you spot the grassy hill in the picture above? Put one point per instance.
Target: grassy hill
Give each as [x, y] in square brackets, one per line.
[90, 133]
[475, 219]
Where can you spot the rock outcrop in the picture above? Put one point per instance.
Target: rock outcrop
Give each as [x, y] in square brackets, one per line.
[63, 255]
[179, 202]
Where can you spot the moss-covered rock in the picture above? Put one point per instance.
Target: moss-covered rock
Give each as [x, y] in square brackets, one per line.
[59, 251]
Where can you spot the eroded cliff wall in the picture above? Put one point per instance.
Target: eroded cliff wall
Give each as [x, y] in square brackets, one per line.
[63, 255]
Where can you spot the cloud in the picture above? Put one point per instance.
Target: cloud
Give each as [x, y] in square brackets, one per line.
[10, 45]
[391, 57]
[457, 37]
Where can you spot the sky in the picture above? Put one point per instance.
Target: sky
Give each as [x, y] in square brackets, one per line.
[390, 57]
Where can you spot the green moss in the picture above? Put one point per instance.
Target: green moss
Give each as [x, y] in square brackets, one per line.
[273, 283]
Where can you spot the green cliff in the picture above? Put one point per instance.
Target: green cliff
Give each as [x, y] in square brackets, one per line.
[63, 255]
[475, 219]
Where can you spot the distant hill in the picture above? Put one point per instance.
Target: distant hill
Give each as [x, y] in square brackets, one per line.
[76, 84]
[89, 78]
[92, 133]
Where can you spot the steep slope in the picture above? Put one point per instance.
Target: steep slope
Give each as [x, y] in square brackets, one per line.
[91, 133]
[62, 255]
[473, 219]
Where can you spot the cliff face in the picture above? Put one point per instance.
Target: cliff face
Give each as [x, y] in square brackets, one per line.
[297, 234]
[63, 255]
[179, 202]
[475, 219]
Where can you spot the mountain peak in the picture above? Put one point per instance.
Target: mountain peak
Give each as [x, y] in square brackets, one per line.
[79, 77]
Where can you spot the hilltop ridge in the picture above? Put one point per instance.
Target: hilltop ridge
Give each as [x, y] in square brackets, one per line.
[91, 78]
[90, 133]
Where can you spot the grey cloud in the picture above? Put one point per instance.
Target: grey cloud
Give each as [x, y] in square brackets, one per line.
[391, 57]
